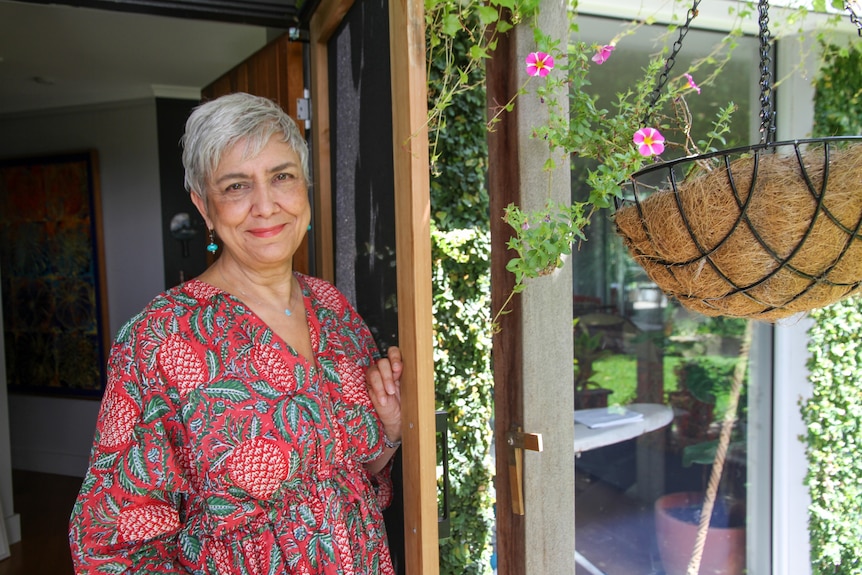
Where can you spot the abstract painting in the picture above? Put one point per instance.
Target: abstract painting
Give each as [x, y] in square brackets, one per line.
[52, 271]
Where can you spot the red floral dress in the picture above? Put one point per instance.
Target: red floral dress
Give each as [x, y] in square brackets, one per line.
[219, 450]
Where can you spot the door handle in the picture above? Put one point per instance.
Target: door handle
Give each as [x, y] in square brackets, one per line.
[518, 441]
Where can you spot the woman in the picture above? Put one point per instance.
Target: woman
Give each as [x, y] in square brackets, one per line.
[248, 420]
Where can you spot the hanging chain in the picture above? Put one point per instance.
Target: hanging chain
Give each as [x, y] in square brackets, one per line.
[854, 18]
[671, 60]
[767, 114]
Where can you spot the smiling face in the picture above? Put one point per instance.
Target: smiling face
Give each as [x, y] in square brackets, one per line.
[258, 206]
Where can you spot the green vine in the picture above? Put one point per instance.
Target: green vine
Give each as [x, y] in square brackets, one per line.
[460, 37]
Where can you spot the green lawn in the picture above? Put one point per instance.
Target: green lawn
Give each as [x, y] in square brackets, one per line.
[619, 373]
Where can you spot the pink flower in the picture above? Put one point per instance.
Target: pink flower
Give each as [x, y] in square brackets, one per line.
[649, 141]
[603, 54]
[539, 64]
[691, 83]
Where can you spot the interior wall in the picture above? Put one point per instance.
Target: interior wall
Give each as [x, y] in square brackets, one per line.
[52, 434]
[12, 521]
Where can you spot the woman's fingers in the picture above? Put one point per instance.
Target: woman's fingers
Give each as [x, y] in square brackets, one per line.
[397, 365]
[384, 389]
[384, 377]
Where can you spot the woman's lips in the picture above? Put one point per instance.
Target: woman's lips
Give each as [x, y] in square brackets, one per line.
[267, 232]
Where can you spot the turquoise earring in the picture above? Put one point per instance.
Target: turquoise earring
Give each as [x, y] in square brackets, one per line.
[212, 247]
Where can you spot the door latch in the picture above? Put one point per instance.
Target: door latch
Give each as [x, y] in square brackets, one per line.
[518, 441]
[303, 109]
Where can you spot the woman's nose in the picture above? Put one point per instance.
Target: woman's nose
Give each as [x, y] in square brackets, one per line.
[264, 200]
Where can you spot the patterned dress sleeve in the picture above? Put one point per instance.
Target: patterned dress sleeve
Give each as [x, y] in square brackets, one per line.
[355, 412]
[127, 514]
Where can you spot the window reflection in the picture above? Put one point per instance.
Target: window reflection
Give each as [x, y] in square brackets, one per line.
[634, 347]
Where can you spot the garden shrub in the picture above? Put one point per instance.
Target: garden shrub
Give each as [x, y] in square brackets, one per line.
[464, 383]
[833, 414]
[461, 306]
[833, 418]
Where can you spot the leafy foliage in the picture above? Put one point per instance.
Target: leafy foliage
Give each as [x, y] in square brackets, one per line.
[838, 92]
[460, 245]
[460, 37]
[588, 349]
[833, 414]
[707, 376]
[582, 126]
[833, 417]
[464, 386]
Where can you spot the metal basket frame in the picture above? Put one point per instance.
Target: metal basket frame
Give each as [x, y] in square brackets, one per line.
[671, 180]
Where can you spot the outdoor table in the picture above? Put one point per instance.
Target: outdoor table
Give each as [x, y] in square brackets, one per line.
[655, 416]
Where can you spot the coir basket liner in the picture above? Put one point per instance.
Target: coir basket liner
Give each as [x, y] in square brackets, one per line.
[767, 232]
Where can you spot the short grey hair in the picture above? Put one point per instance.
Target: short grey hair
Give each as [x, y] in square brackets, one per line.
[216, 126]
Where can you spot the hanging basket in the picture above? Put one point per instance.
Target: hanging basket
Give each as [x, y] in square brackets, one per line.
[769, 231]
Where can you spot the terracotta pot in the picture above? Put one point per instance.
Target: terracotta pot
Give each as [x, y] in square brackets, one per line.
[723, 553]
[592, 397]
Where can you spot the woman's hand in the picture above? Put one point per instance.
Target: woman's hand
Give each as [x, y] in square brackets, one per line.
[383, 381]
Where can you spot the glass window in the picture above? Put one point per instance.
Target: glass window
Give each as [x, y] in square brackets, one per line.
[637, 349]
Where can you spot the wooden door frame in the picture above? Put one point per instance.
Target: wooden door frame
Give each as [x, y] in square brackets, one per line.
[501, 86]
[413, 250]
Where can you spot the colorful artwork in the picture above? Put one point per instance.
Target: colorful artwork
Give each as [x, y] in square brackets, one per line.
[51, 266]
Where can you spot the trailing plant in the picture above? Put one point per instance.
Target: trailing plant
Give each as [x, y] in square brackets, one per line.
[644, 121]
[460, 37]
[621, 136]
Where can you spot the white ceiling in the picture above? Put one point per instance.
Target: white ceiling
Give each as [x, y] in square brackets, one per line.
[54, 56]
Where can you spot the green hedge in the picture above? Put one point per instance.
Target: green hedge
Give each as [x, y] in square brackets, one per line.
[461, 291]
[464, 386]
[833, 415]
[838, 92]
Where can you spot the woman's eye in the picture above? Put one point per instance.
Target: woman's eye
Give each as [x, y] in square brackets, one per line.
[284, 176]
[233, 187]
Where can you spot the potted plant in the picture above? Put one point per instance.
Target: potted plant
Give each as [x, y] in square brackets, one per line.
[707, 528]
[588, 348]
[701, 380]
[677, 518]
